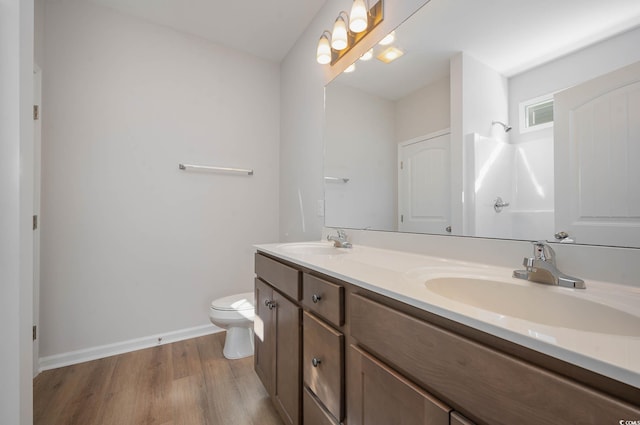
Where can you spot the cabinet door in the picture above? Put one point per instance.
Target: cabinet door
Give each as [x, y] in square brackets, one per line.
[264, 335]
[323, 364]
[480, 379]
[381, 396]
[314, 413]
[287, 383]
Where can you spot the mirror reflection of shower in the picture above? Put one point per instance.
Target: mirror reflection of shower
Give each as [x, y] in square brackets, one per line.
[506, 127]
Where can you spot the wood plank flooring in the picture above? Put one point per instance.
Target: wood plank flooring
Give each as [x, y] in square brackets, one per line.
[184, 383]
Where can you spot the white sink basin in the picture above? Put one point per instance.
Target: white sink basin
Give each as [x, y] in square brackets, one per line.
[536, 303]
[312, 248]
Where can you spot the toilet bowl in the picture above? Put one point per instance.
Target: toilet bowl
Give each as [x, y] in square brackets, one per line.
[235, 314]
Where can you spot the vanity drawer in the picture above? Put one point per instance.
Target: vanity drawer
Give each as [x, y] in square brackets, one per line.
[383, 396]
[498, 389]
[324, 298]
[323, 363]
[282, 277]
[314, 412]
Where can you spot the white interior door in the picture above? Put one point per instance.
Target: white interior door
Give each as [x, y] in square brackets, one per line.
[37, 165]
[597, 157]
[424, 202]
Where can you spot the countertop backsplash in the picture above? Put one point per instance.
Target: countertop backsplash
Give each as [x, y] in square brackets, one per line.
[602, 263]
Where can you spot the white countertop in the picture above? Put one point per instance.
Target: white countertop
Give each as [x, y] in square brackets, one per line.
[401, 276]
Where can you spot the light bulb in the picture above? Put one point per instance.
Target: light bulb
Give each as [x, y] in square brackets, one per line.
[388, 39]
[368, 55]
[339, 34]
[323, 54]
[358, 19]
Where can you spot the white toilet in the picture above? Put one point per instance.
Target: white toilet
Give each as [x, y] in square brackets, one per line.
[235, 314]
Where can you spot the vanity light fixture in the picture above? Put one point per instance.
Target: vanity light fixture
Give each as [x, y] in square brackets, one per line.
[339, 36]
[348, 30]
[389, 54]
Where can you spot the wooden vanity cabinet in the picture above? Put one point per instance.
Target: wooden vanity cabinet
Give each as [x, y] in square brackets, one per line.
[381, 361]
[481, 383]
[296, 351]
[278, 342]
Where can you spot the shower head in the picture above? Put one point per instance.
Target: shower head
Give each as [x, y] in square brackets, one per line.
[506, 127]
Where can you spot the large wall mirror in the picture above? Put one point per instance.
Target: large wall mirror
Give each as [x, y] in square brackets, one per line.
[503, 119]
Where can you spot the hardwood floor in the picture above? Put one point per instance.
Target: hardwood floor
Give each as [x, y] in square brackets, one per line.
[184, 383]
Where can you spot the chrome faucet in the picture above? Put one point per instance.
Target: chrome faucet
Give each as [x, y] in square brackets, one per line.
[340, 241]
[542, 268]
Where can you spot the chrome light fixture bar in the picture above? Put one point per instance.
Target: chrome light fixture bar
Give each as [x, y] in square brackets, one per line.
[348, 30]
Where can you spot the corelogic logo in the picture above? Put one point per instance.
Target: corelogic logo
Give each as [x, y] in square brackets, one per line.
[625, 422]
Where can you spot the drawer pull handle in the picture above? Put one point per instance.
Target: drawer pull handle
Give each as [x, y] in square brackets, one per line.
[316, 361]
[270, 304]
[315, 298]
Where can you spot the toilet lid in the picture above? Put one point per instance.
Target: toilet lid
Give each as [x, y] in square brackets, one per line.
[237, 302]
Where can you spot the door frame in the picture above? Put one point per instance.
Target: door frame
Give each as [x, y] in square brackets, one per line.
[37, 172]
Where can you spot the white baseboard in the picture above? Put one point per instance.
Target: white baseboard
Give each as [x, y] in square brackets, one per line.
[79, 356]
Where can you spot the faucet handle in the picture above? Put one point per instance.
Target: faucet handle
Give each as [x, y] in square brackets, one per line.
[340, 241]
[542, 251]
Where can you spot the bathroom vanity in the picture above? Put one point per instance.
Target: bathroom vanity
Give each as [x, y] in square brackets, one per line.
[355, 336]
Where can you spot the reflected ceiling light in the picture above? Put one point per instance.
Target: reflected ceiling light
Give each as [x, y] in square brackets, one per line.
[389, 54]
[367, 55]
[323, 53]
[348, 31]
[350, 68]
[388, 39]
[339, 37]
[359, 17]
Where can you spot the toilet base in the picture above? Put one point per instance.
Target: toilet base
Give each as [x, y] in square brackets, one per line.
[238, 343]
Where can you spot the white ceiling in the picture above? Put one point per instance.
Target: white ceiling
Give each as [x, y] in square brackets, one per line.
[508, 35]
[267, 29]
